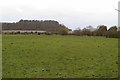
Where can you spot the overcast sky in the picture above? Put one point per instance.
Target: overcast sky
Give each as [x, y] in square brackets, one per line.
[71, 13]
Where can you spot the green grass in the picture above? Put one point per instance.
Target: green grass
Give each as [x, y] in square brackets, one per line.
[32, 56]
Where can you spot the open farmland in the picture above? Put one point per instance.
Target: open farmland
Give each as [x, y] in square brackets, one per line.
[34, 56]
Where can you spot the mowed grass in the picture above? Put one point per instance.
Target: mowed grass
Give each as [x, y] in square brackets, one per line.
[33, 56]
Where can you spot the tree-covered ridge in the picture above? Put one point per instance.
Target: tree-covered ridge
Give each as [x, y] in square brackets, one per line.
[46, 25]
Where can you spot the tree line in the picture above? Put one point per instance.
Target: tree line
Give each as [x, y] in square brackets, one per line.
[53, 27]
[112, 32]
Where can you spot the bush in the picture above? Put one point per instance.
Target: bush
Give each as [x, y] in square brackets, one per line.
[62, 31]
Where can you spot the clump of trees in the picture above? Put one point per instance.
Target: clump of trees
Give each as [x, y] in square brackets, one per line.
[101, 31]
[112, 32]
[77, 32]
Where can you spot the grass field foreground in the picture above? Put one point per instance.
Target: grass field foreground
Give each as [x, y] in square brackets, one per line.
[34, 56]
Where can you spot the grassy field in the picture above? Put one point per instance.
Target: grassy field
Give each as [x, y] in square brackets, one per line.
[32, 56]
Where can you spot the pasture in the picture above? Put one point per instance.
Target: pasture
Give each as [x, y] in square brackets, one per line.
[43, 56]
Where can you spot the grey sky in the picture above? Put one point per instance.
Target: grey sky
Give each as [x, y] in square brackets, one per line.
[72, 13]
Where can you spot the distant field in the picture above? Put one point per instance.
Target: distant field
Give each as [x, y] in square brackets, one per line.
[32, 56]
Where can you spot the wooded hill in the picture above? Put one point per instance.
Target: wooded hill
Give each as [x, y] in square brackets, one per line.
[47, 25]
